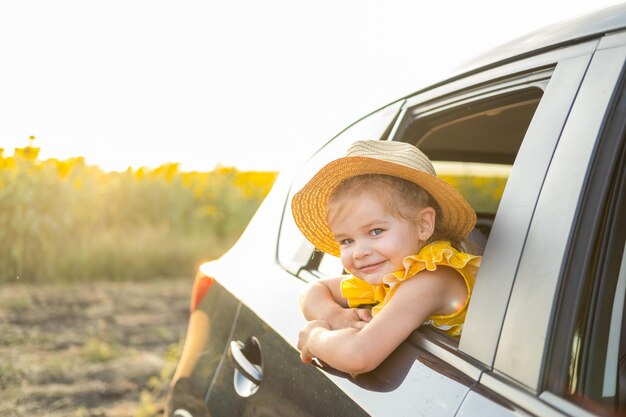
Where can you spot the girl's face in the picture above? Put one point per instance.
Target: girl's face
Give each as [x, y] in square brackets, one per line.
[373, 242]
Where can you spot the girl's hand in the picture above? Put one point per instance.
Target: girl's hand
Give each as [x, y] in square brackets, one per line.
[350, 317]
[364, 315]
[305, 336]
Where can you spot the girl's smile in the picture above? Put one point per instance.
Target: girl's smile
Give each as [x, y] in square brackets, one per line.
[368, 269]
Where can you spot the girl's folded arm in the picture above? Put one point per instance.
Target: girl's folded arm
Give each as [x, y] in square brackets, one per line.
[358, 351]
[322, 300]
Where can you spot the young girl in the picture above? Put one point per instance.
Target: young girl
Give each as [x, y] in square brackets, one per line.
[397, 228]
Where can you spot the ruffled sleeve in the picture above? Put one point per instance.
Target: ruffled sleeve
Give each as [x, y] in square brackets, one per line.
[431, 256]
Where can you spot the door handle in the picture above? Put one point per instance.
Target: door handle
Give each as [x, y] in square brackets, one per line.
[249, 370]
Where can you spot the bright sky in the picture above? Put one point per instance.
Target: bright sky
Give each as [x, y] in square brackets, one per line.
[247, 83]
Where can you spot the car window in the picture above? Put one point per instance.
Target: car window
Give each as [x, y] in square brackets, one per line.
[473, 142]
[296, 254]
[587, 364]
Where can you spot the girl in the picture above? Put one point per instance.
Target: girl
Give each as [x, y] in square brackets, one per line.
[397, 228]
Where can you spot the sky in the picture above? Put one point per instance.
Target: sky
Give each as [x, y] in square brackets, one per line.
[252, 84]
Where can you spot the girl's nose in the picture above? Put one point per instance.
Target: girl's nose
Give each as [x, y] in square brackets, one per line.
[361, 250]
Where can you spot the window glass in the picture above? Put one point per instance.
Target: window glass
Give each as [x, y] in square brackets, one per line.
[611, 367]
[294, 251]
[597, 374]
[481, 184]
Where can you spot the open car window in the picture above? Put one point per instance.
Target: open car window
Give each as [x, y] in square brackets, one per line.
[473, 141]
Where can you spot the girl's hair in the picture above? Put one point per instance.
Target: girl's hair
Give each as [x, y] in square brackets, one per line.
[399, 197]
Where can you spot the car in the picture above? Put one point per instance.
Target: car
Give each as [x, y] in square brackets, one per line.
[533, 134]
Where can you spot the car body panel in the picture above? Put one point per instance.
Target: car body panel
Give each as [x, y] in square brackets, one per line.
[486, 404]
[213, 321]
[410, 381]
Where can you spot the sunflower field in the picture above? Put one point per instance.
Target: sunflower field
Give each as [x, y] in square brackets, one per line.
[65, 220]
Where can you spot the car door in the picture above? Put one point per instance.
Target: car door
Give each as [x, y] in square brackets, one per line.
[561, 348]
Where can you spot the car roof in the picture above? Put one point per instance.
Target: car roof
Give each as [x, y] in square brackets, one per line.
[555, 36]
[559, 34]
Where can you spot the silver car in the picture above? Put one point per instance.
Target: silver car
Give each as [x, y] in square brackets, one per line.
[533, 134]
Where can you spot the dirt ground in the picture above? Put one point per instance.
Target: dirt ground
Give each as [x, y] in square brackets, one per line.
[101, 349]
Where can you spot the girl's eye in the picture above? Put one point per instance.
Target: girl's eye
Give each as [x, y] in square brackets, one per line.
[375, 232]
[345, 242]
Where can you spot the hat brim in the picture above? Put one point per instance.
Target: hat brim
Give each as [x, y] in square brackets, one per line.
[309, 204]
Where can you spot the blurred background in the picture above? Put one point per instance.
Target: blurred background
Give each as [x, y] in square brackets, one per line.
[139, 137]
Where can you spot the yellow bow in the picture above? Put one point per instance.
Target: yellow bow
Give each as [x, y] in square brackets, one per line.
[359, 292]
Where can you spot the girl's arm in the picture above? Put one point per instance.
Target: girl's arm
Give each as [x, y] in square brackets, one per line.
[360, 350]
[322, 300]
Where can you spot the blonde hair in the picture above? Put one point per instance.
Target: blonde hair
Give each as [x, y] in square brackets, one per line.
[399, 197]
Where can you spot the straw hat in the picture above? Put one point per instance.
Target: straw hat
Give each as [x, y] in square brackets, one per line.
[397, 159]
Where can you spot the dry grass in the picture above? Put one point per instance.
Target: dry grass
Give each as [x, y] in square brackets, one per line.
[104, 349]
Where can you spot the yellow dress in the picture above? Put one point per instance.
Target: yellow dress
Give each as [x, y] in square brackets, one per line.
[359, 292]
